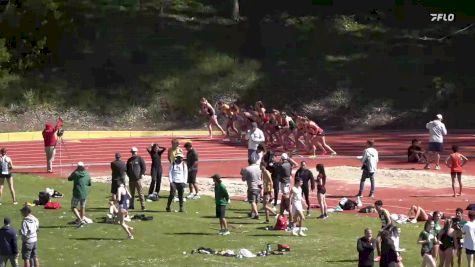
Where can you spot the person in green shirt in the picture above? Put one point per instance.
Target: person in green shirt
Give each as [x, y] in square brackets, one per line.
[427, 239]
[82, 181]
[458, 223]
[221, 198]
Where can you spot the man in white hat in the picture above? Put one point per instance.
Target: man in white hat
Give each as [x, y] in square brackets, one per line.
[135, 169]
[437, 131]
[82, 182]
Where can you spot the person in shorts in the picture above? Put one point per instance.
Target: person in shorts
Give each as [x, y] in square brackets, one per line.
[123, 199]
[267, 188]
[468, 231]
[192, 164]
[29, 236]
[284, 173]
[118, 169]
[252, 175]
[455, 162]
[82, 182]
[437, 131]
[427, 239]
[297, 208]
[221, 198]
[6, 166]
[458, 224]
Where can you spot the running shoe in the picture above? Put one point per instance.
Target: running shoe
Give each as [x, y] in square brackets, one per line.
[301, 233]
[196, 196]
[333, 153]
[226, 232]
[15, 203]
[191, 195]
[321, 217]
[437, 167]
[130, 237]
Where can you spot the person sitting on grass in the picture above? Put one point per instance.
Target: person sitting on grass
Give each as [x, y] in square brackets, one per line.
[297, 208]
[415, 154]
[82, 182]
[455, 162]
[221, 198]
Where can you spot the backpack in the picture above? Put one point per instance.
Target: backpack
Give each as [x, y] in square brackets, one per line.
[281, 223]
[52, 205]
[349, 205]
[367, 209]
[43, 198]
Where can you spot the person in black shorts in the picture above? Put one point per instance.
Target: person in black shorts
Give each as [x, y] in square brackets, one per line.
[156, 171]
[221, 198]
[192, 164]
[306, 176]
[6, 167]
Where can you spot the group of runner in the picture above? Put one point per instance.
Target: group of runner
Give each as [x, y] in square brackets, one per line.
[281, 129]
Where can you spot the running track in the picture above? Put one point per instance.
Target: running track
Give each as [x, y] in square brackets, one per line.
[228, 158]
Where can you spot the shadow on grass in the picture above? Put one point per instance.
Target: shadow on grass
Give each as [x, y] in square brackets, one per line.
[342, 261]
[245, 222]
[230, 217]
[188, 233]
[56, 226]
[97, 209]
[96, 238]
[283, 234]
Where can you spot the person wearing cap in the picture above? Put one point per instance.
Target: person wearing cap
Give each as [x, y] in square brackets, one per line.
[8, 244]
[255, 136]
[437, 131]
[284, 172]
[6, 166]
[192, 164]
[177, 175]
[135, 169]
[252, 175]
[175, 149]
[29, 236]
[118, 174]
[82, 182]
[221, 198]
[50, 138]
[156, 170]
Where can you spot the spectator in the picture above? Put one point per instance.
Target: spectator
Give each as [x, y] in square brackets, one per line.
[192, 164]
[177, 176]
[255, 137]
[370, 165]
[455, 162]
[156, 171]
[267, 186]
[221, 198]
[389, 255]
[135, 170]
[50, 138]
[82, 182]
[8, 244]
[437, 131]
[386, 222]
[306, 175]
[6, 166]
[284, 171]
[365, 246]
[257, 155]
[297, 209]
[447, 244]
[468, 231]
[175, 149]
[29, 235]
[321, 190]
[118, 174]
[252, 175]
[458, 224]
[415, 154]
[427, 239]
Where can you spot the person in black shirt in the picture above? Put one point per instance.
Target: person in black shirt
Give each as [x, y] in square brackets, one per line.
[365, 246]
[306, 176]
[192, 164]
[118, 174]
[135, 170]
[415, 153]
[156, 171]
[389, 255]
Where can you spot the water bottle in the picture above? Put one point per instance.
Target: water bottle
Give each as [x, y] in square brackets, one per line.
[268, 249]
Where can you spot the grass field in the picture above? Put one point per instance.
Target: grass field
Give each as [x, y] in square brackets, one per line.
[162, 241]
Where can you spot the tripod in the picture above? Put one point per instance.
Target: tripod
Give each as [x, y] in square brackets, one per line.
[61, 143]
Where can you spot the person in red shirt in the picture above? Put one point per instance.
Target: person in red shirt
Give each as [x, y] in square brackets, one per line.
[455, 161]
[50, 138]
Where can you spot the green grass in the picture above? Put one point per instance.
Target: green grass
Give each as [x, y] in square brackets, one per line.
[162, 241]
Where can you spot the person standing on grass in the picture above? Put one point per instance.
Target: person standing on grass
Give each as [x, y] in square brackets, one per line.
[6, 166]
[370, 166]
[321, 190]
[50, 138]
[297, 208]
[252, 175]
[82, 182]
[427, 239]
[174, 150]
[135, 170]
[389, 255]
[29, 235]
[447, 244]
[118, 174]
[386, 222]
[208, 110]
[365, 246]
[455, 162]
[221, 198]
[437, 131]
[255, 137]
[284, 170]
[267, 187]
[306, 175]
[123, 199]
[156, 170]
[177, 175]
[192, 164]
[468, 231]
[458, 224]
[8, 244]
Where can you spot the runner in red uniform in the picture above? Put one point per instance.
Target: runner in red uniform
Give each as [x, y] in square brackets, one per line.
[317, 137]
[299, 132]
[226, 110]
[455, 161]
[207, 109]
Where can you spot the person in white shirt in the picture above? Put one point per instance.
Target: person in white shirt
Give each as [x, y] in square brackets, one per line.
[468, 231]
[370, 165]
[437, 131]
[297, 207]
[177, 175]
[6, 166]
[255, 136]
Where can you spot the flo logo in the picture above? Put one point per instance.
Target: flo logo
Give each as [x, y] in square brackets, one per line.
[442, 17]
